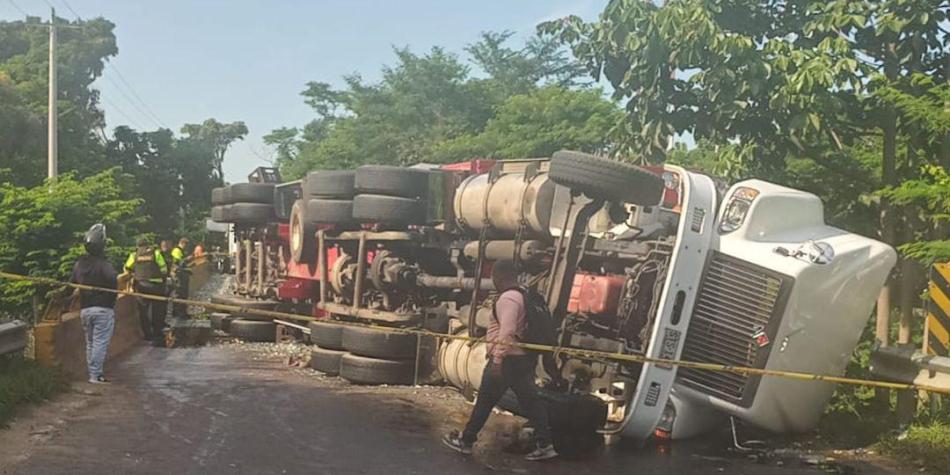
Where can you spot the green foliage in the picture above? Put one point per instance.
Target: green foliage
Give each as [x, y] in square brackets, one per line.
[431, 108]
[24, 59]
[926, 446]
[537, 124]
[43, 228]
[930, 195]
[23, 381]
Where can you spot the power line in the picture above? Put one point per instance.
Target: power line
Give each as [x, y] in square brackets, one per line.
[122, 113]
[144, 109]
[70, 8]
[48, 3]
[18, 8]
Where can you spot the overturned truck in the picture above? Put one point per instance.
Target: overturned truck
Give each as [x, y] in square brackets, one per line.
[655, 261]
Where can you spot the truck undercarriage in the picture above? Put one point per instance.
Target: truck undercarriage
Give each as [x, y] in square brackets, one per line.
[657, 262]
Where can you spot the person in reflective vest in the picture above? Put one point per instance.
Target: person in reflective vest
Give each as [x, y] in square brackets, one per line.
[181, 274]
[148, 268]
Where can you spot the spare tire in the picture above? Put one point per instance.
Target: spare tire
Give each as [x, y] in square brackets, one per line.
[326, 361]
[251, 213]
[253, 330]
[363, 370]
[326, 335]
[393, 181]
[326, 211]
[329, 184]
[389, 210]
[252, 193]
[603, 178]
[379, 343]
[218, 197]
[303, 240]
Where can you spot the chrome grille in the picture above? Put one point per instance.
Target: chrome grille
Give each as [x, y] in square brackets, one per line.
[737, 302]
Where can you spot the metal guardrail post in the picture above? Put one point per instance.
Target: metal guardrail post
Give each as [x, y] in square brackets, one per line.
[12, 337]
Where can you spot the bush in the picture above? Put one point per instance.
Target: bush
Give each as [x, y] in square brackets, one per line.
[925, 446]
[43, 229]
[23, 381]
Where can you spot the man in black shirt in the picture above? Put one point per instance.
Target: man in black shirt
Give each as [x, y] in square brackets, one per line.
[98, 307]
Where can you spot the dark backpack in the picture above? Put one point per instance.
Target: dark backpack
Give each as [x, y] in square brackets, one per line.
[539, 323]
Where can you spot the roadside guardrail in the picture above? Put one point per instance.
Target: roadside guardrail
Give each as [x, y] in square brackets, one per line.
[12, 336]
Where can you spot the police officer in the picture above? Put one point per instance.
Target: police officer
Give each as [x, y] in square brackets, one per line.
[148, 268]
[180, 272]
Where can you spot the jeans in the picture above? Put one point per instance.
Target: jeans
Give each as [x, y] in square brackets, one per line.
[152, 312]
[98, 323]
[517, 373]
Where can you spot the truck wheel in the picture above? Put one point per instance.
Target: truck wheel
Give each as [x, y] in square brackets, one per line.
[374, 343]
[392, 181]
[326, 361]
[602, 178]
[329, 184]
[217, 196]
[220, 321]
[363, 370]
[238, 301]
[323, 211]
[388, 210]
[252, 193]
[253, 330]
[218, 214]
[303, 241]
[251, 213]
[326, 335]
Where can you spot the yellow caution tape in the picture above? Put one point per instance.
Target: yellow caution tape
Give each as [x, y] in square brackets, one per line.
[576, 352]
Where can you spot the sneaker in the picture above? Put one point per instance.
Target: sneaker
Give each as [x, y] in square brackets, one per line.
[99, 380]
[543, 452]
[454, 441]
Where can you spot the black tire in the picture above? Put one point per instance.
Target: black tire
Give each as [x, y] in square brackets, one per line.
[326, 361]
[603, 178]
[375, 343]
[363, 370]
[325, 211]
[251, 213]
[303, 239]
[392, 181]
[329, 184]
[220, 321]
[218, 196]
[252, 193]
[253, 330]
[389, 210]
[326, 335]
[218, 214]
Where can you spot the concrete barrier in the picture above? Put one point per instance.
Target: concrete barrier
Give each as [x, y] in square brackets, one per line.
[62, 344]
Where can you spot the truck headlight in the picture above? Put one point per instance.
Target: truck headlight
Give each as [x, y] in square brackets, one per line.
[737, 208]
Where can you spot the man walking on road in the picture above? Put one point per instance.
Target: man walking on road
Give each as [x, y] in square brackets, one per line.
[148, 268]
[97, 314]
[508, 367]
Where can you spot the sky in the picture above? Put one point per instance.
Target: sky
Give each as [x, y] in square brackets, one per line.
[185, 61]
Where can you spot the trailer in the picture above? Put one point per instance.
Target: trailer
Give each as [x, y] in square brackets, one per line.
[654, 261]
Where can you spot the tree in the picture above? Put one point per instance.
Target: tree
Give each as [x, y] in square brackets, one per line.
[43, 228]
[537, 124]
[24, 60]
[218, 136]
[421, 103]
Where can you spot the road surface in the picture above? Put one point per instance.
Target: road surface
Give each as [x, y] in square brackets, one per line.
[239, 409]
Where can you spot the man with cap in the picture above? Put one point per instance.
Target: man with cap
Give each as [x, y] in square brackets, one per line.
[98, 307]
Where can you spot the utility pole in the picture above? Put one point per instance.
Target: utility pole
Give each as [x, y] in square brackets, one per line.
[52, 133]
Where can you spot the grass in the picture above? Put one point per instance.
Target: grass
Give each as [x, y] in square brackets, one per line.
[23, 381]
[923, 446]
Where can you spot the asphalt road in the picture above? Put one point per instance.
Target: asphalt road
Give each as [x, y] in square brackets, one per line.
[237, 409]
